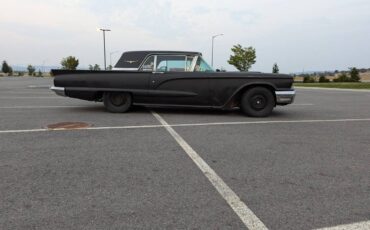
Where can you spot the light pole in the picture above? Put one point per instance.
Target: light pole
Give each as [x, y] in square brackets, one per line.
[213, 41]
[105, 58]
[110, 57]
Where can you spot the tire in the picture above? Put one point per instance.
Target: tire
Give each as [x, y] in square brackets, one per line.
[258, 102]
[117, 102]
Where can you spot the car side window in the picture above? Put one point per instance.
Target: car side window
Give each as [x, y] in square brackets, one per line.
[171, 63]
[189, 63]
[148, 65]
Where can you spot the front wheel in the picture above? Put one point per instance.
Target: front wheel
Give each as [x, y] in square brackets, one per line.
[258, 102]
[116, 102]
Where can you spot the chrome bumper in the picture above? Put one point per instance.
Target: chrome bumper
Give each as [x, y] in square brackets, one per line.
[58, 90]
[285, 97]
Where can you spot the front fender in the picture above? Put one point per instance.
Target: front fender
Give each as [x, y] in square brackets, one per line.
[234, 99]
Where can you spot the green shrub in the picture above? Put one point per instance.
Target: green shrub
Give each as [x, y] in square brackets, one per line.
[308, 79]
[10, 73]
[342, 78]
[39, 74]
[323, 79]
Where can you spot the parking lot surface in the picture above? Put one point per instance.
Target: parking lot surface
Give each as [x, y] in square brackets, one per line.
[304, 167]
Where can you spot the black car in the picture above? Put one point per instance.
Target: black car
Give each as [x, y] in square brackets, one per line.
[175, 78]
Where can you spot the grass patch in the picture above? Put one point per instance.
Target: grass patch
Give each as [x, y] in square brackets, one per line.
[339, 85]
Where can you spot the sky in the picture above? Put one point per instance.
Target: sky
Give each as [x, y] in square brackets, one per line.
[314, 35]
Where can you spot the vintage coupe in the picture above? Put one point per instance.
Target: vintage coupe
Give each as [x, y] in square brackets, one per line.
[174, 78]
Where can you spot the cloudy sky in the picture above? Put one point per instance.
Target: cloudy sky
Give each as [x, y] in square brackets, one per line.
[309, 35]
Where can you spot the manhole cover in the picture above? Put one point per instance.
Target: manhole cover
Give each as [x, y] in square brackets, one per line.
[69, 125]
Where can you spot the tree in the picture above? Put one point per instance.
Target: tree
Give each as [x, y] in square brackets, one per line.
[5, 68]
[275, 68]
[354, 74]
[243, 58]
[69, 63]
[110, 67]
[94, 67]
[30, 70]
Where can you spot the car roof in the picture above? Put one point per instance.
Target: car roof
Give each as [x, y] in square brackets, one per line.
[133, 59]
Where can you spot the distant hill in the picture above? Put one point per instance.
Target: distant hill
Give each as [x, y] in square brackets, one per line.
[327, 72]
[45, 69]
[364, 75]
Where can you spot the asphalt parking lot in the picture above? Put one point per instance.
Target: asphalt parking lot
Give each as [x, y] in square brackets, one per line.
[305, 167]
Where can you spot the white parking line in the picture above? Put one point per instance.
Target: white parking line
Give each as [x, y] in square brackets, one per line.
[24, 131]
[39, 86]
[51, 97]
[269, 122]
[334, 89]
[354, 226]
[250, 220]
[28, 92]
[72, 106]
[45, 107]
[89, 128]
[306, 104]
[189, 125]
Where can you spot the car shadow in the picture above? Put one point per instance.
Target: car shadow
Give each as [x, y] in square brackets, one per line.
[205, 111]
[178, 111]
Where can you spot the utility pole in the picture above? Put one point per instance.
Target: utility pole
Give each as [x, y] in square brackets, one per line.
[105, 54]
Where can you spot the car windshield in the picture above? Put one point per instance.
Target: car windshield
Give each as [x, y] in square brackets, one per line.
[202, 66]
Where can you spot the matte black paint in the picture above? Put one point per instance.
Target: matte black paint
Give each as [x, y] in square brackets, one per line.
[206, 89]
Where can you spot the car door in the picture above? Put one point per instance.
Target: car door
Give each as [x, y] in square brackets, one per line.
[172, 83]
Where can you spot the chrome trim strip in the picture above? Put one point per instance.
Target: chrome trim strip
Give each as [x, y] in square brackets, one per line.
[58, 90]
[155, 63]
[291, 92]
[285, 97]
[126, 69]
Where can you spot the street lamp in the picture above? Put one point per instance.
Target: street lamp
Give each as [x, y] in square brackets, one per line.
[110, 57]
[213, 40]
[105, 59]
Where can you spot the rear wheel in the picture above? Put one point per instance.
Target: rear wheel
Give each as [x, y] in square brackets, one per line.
[257, 102]
[116, 102]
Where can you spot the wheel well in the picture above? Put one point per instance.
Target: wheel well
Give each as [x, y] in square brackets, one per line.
[99, 96]
[235, 101]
